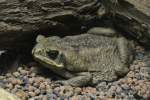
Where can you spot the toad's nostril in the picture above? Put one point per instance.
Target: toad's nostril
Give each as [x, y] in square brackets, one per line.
[52, 54]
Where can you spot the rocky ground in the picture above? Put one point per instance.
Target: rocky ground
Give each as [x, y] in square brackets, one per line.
[27, 84]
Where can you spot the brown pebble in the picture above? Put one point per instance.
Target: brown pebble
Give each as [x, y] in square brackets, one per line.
[9, 85]
[141, 64]
[77, 90]
[118, 89]
[131, 74]
[30, 88]
[32, 94]
[35, 84]
[23, 72]
[134, 81]
[100, 98]
[41, 79]
[20, 68]
[113, 88]
[37, 91]
[89, 90]
[31, 80]
[14, 81]
[129, 81]
[16, 74]
[32, 74]
[68, 88]
[21, 94]
[45, 97]
[8, 75]
[122, 81]
[137, 67]
[74, 98]
[47, 86]
[137, 87]
[42, 86]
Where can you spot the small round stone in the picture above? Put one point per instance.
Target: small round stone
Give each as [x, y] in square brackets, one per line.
[30, 88]
[119, 89]
[125, 87]
[74, 98]
[30, 80]
[77, 90]
[21, 94]
[37, 91]
[32, 94]
[42, 86]
[8, 75]
[23, 72]
[20, 68]
[16, 74]
[9, 85]
[45, 97]
[33, 74]
[56, 90]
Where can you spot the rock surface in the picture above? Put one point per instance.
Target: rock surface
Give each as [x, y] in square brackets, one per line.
[22, 20]
[133, 17]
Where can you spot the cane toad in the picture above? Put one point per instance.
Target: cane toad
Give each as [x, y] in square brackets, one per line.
[101, 54]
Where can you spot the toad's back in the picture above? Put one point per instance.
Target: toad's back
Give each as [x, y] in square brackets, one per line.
[90, 52]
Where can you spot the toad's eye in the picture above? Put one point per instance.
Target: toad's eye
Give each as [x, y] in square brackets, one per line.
[52, 54]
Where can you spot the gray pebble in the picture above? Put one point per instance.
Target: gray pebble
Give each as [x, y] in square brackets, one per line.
[125, 87]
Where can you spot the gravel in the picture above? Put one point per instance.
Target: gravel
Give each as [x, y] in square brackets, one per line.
[29, 85]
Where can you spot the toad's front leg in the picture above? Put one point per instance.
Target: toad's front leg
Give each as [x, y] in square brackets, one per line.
[81, 79]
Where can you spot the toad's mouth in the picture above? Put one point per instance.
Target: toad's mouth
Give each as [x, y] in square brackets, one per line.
[44, 60]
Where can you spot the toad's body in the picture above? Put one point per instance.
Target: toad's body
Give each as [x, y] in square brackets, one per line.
[87, 58]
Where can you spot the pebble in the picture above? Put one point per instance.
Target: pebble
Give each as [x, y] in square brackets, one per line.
[30, 80]
[37, 91]
[77, 90]
[21, 94]
[125, 87]
[30, 88]
[9, 85]
[74, 98]
[16, 74]
[8, 75]
[32, 94]
[23, 72]
[42, 86]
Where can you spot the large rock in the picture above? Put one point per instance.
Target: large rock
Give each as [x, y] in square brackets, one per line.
[22, 20]
[4, 95]
[131, 17]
